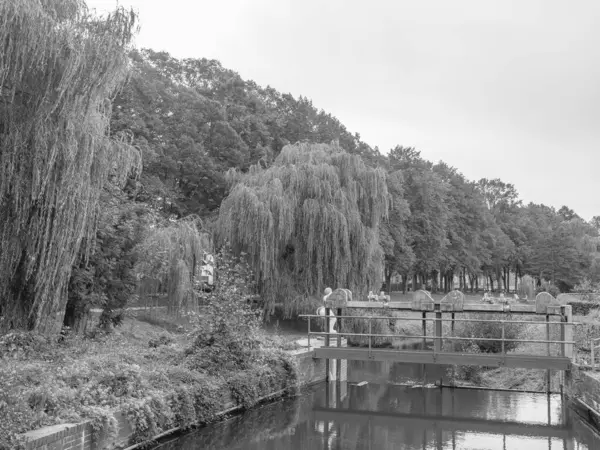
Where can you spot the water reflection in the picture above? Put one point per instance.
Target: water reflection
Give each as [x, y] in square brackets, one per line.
[386, 415]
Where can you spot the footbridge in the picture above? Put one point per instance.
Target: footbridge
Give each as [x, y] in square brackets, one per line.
[552, 320]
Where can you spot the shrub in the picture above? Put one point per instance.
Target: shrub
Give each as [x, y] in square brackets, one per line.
[361, 326]
[228, 337]
[550, 288]
[488, 330]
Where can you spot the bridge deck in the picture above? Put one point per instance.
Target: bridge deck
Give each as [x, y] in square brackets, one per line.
[447, 423]
[450, 358]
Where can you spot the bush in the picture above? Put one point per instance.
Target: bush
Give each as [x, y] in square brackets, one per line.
[488, 330]
[361, 326]
[550, 288]
[47, 383]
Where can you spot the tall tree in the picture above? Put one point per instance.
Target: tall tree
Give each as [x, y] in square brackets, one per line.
[393, 234]
[426, 193]
[58, 68]
[309, 221]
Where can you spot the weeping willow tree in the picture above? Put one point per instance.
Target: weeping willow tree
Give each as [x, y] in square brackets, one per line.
[59, 67]
[169, 260]
[309, 221]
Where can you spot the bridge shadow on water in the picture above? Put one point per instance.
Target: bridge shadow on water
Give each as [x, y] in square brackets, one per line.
[388, 414]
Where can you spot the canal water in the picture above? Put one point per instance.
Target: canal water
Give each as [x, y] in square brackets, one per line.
[398, 408]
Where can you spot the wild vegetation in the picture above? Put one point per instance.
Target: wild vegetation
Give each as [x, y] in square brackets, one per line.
[159, 379]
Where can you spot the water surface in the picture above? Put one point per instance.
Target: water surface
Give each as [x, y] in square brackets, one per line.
[387, 414]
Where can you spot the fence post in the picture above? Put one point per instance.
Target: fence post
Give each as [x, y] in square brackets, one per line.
[370, 336]
[424, 323]
[503, 337]
[309, 332]
[338, 364]
[568, 315]
[437, 344]
[327, 342]
[548, 372]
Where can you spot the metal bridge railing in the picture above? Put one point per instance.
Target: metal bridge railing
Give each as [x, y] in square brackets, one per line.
[439, 337]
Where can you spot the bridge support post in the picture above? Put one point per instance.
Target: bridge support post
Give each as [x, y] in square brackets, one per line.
[437, 344]
[566, 334]
[424, 324]
[548, 371]
[327, 343]
[338, 362]
[568, 330]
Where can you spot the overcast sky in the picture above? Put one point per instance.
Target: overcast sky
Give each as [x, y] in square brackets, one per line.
[504, 89]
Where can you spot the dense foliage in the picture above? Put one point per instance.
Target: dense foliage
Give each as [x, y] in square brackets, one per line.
[58, 68]
[194, 122]
[309, 221]
[170, 380]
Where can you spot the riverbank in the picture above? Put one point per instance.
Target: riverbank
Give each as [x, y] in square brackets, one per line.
[154, 378]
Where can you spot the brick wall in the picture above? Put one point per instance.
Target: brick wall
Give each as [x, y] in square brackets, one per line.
[79, 436]
[61, 437]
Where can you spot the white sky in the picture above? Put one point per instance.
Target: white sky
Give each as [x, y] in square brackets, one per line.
[496, 88]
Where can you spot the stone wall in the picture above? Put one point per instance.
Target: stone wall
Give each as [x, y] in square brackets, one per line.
[79, 436]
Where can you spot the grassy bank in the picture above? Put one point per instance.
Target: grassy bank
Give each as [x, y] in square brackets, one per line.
[159, 379]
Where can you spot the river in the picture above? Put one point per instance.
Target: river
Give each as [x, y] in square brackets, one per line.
[398, 408]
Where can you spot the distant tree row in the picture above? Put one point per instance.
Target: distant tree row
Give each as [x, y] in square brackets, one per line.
[444, 225]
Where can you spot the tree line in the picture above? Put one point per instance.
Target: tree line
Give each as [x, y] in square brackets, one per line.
[278, 179]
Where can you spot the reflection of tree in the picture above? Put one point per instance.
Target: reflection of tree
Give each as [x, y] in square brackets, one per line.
[277, 423]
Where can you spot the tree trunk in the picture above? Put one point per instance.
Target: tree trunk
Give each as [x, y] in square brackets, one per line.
[388, 279]
[491, 283]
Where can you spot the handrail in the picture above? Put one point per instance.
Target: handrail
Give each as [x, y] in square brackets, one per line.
[450, 338]
[420, 319]
[438, 336]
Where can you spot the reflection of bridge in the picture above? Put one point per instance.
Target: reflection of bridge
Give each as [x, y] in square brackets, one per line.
[545, 306]
[444, 423]
[433, 422]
